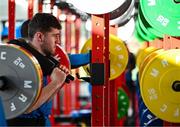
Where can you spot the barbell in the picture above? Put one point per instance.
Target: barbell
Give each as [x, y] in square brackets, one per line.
[21, 76]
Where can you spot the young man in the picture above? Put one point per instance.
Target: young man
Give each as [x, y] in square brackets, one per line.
[44, 34]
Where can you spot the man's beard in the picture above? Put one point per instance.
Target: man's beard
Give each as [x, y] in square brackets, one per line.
[46, 50]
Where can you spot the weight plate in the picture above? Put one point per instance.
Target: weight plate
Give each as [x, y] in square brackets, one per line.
[123, 103]
[145, 30]
[123, 14]
[162, 15]
[160, 85]
[149, 119]
[144, 52]
[24, 80]
[141, 33]
[148, 58]
[138, 37]
[95, 6]
[62, 56]
[120, 10]
[139, 55]
[147, 26]
[118, 56]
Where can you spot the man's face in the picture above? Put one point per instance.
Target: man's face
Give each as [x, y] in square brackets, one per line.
[50, 40]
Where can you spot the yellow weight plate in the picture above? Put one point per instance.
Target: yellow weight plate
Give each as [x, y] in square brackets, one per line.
[118, 56]
[147, 59]
[143, 52]
[160, 85]
[138, 56]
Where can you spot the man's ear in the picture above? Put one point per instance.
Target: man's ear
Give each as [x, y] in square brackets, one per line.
[39, 36]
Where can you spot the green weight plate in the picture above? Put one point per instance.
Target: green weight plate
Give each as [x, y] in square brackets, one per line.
[142, 34]
[21, 80]
[149, 28]
[163, 15]
[123, 103]
[145, 30]
[138, 37]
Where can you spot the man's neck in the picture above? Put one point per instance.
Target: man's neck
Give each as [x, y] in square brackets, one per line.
[33, 45]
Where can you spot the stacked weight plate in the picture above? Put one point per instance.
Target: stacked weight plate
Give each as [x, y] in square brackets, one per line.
[160, 84]
[157, 18]
[147, 118]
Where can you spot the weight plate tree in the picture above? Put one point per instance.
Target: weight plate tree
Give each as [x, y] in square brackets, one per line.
[20, 80]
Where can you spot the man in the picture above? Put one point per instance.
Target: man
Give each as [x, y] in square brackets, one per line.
[44, 34]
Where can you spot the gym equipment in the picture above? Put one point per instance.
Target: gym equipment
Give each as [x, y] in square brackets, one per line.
[97, 7]
[162, 15]
[152, 32]
[63, 60]
[47, 63]
[123, 103]
[138, 37]
[149, 119]
[147, 27]
[122, 14]
[143, 53]
[21, 76]
[145, 30]
[118, 56]
[141, 32]
[149, 55]
[160, 85]
[20, 80]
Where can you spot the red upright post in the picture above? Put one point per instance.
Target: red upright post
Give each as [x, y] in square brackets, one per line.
[77, 37]
[11, 19]
[107, 73]
[30, 8]
[40, 3]
[99, 38]
[67, 88]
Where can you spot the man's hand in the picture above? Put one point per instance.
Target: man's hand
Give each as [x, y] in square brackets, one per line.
[59, 75]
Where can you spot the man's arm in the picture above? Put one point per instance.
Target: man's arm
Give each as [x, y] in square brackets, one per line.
[58, 77]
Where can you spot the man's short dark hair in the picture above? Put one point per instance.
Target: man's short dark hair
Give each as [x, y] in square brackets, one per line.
[42, 22]
[24, 29]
